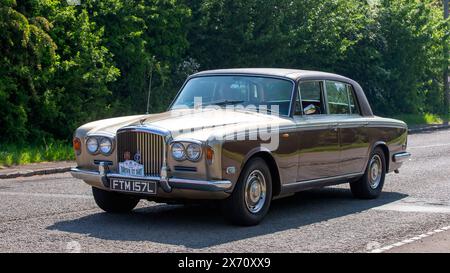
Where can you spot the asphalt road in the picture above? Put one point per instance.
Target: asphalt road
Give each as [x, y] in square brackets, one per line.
[56, 213]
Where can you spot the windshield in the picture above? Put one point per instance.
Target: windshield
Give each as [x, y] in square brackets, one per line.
[248, 91]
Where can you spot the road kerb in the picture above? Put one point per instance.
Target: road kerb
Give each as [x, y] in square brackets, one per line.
[28, 173]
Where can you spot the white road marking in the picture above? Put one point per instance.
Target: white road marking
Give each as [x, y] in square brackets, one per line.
[414, 208]
[414, 205]
[47, 195]
[409, 241]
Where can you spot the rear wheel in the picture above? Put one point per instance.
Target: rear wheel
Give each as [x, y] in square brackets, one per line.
[114, 202]
[252, 195]
[371, 184]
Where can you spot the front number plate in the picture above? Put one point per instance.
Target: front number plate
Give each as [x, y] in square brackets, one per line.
[135, 186]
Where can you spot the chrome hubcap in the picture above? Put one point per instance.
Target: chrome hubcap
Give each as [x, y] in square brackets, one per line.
[375, 171]
[255, 191]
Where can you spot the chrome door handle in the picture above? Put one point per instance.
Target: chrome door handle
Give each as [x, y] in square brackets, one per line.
[333, 127]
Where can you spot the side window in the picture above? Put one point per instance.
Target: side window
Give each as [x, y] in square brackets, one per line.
[354, 109]
[338, 99]
[310, 100]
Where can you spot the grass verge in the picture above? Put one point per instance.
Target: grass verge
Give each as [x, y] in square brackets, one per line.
[11, 154]
[421, 119]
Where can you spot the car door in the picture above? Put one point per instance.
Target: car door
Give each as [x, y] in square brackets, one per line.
[353, 136]
[318, 148]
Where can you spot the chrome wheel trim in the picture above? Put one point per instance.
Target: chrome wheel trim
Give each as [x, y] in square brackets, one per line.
[255, 191]
[375, 171]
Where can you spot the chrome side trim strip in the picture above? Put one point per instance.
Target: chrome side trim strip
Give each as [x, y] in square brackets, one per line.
[321, 125]
[325, 179]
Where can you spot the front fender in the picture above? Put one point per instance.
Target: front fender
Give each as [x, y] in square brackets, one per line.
[236, 154]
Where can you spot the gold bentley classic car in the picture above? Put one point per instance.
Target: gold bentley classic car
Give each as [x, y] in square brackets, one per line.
[242, 137]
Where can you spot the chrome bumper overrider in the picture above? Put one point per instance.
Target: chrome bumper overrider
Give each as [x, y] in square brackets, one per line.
[401, 157]
[167, 184]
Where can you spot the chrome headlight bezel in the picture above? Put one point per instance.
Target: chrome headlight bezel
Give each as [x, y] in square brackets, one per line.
[92, 151]
[179, 147]
[198, 148]
[106, 140]
[96, 141]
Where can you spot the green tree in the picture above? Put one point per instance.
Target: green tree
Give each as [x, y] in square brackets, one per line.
[27, 56]
[145, 36]
[393, 48]
[54, 72]
[225, 33]
[79, 90]
[408, 39]
[399, 58]
[306, 34]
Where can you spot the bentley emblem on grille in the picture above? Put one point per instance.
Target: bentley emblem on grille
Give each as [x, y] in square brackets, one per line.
[137, 157]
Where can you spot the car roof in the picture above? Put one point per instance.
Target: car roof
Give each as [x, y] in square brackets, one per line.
[293, 74]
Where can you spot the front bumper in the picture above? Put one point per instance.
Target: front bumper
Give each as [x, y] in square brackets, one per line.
[167, 187]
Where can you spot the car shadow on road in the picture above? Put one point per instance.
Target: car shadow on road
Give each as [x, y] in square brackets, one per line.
[203, 226]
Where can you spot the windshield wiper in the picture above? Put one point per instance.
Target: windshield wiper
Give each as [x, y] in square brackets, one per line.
[224, 102]
[267, 111]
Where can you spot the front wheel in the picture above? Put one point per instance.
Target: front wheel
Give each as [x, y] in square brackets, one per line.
[114, 202]
[371, 184]
[252, 195]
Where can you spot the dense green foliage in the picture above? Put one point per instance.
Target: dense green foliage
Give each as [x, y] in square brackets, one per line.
[63, 65]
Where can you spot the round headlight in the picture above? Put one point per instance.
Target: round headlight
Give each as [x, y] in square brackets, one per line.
[193, 152]
[178, 152]
[92, 145]
[105, 146]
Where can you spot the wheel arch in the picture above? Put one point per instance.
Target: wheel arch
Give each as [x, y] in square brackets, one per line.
[273, 168]
[384, 147]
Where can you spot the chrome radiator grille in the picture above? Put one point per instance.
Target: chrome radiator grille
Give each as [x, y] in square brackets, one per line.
[150, 147]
